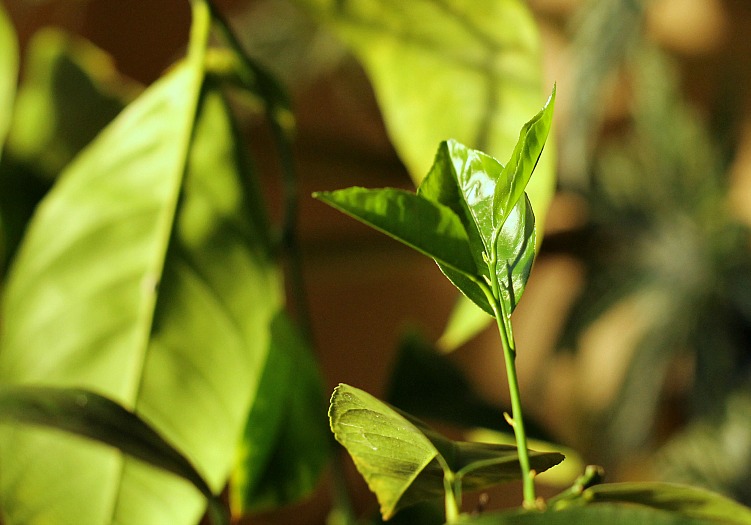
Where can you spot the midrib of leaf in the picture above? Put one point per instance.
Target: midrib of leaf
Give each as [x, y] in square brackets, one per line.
[194, 65]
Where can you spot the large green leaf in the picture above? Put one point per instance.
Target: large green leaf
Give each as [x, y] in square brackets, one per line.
[403, 461]
[425, 225]
[286, 442]
[90, 415]
[143, 277]
[8, 73]
[448, 69]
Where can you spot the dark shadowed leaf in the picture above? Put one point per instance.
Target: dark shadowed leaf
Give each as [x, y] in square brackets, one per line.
[403, 461]
[286, 442]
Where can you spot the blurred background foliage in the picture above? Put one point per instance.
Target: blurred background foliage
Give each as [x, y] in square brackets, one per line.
[635, 333]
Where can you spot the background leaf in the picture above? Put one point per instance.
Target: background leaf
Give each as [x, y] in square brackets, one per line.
[69, 92]
[448, 69]
[8, 73]
[398, 455]
[286, 442]
[143, 277]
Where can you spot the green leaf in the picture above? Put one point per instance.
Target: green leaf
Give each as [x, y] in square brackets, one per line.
[429, 227]
[143, 277]
[90, 415]
[8, 73]
[403, 461]
[286, 420]
[687, 501]
[517, 172]
[516, 252]
[70, 92]
[466, 70]
[590, 515]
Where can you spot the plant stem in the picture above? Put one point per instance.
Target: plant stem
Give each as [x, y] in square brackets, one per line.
[517, 421]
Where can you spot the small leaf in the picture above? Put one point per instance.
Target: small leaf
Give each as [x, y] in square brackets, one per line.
[401, 458]
[429, 227]
[518, 170]
[516, 253]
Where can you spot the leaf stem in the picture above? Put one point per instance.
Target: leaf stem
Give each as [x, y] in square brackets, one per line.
[516, 420]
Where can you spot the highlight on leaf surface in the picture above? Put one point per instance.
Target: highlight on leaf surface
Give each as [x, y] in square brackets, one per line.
[404, 461]
[470, 214]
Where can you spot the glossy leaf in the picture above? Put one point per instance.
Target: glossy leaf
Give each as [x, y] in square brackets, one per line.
[515, 250]
[483, 62]
[518, 170]
[144, 277]
[286, 442]
[403, 461]
[427, 226]
[8, 73]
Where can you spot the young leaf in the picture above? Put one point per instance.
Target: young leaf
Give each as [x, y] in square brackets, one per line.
[427, 226]
[403, 461]
[144, 276]
[515, 251]
[517, 172]
[69, 93]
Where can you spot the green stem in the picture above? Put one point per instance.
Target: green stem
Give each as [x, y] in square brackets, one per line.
[517, 421]
[451, 503]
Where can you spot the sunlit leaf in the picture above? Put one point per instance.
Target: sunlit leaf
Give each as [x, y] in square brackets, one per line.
[450, 69]
[8, 73]
[403, 461]
[425, 225]
[144, 277]
[286, 442]
[516, 173]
